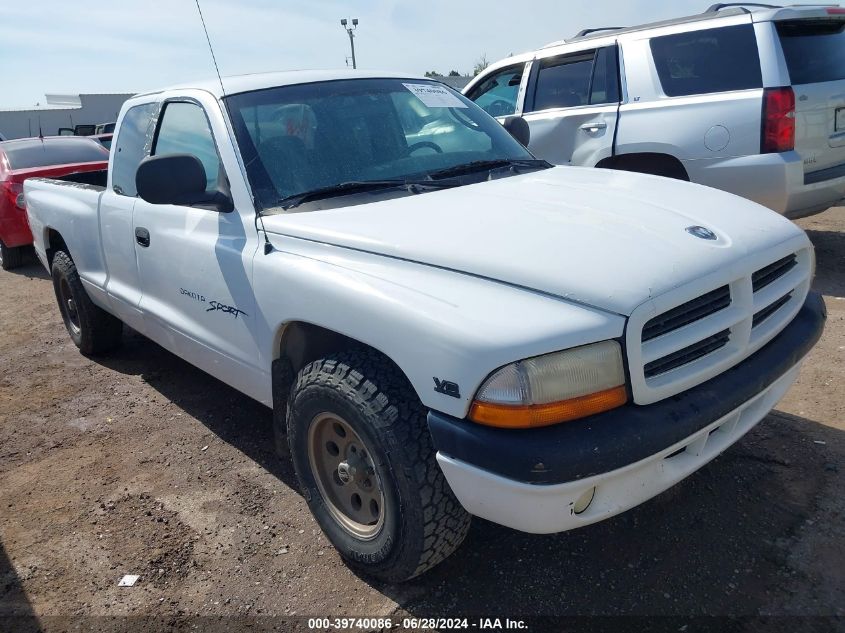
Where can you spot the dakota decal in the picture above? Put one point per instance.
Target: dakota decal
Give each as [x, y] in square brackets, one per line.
[192, 295]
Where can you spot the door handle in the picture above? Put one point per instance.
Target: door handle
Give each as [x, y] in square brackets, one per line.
[142, 236]
[593, 127]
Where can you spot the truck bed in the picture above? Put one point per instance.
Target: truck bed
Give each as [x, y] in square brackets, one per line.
[69, 206]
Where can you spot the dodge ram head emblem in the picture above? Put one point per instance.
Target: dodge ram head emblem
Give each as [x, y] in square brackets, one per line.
[701, 232]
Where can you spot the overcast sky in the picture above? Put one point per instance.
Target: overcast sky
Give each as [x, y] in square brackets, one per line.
[73, 46]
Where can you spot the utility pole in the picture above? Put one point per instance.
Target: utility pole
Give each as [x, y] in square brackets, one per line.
[344, 23]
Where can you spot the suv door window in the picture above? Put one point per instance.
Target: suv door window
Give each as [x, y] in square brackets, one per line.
[583, 78]
[184, 129]
[712, 60]
[130, 148]
[564, 82]
[605, 85]
[498, 94]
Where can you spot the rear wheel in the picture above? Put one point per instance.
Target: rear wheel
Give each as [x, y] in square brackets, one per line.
[92, 329]
[363, 455]
[10, 256]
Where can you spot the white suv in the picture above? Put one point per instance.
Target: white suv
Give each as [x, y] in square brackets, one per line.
[749, 100]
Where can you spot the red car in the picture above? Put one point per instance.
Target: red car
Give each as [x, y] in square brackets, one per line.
[48, 157]
[103, 139]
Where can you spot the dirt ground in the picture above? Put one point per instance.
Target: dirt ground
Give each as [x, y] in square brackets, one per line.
[139, 463]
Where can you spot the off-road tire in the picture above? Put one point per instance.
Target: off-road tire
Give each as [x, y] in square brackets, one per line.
[10, 257]
[96, 331]
[423, 521]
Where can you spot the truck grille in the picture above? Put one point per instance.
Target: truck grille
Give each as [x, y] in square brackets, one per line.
[694, 337]
[772, 272]
[688, 354]
[765, 313]
[687, 313]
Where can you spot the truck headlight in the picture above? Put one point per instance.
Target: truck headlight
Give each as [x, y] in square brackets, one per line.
[552, 388]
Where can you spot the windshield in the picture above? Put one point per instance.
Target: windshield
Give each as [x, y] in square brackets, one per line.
[307, 137]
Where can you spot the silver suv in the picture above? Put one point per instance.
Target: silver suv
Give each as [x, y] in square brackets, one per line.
[746, 98]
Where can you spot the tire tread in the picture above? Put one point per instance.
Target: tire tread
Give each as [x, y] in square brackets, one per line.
[101, 332]
[377, 384]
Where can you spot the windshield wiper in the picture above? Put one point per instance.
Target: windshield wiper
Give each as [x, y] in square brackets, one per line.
[486, 165]
[356, 186]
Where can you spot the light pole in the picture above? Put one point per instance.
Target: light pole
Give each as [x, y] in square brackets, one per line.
[350, 30]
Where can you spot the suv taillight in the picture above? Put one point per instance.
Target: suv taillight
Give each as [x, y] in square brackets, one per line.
[778, 133]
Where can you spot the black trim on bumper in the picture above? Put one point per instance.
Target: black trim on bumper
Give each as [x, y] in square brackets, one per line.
[830, 173]
[610, 440]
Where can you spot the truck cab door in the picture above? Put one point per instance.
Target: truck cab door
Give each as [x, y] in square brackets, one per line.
[195, 262]
[571, 106]
[117, 205]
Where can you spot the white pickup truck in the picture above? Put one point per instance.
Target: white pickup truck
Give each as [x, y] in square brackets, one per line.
[444, 325]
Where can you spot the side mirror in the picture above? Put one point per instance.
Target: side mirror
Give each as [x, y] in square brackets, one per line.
[178, 179]
[518, 128]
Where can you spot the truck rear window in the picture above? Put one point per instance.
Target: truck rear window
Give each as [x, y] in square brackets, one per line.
[36, 153]
[814, 50]
[712, 60]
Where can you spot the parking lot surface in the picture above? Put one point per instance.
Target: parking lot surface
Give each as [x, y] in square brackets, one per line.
[138, 463]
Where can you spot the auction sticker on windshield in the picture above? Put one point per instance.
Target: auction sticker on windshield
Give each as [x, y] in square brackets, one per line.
[435, 96]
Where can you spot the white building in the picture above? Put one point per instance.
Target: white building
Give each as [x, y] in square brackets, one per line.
[60, 111]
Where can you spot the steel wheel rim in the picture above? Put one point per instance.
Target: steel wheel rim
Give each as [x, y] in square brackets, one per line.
[346, 475]
[68, 306]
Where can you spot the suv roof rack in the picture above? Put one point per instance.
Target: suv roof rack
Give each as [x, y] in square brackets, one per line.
[725, 5]
[715, 11]
[601, 28]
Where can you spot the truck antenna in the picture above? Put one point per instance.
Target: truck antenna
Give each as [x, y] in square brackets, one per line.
[210, 48]
[40, 133]
[268, 247]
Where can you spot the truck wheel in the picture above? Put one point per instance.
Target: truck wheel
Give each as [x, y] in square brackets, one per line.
[92, 329]
[10, 257]
[365, 461]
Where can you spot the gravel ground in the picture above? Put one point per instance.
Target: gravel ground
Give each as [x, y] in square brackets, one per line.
[139, 463]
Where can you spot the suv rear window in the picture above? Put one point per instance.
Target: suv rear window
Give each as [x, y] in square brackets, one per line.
[713, 60]
[37, 153]
[814, 50]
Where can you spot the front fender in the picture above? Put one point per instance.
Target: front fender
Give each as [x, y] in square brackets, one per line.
[433, 323]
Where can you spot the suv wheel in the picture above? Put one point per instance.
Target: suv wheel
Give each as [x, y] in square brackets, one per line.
[364, 459]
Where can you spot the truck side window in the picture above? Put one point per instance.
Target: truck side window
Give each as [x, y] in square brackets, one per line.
[713, 60]
[184, 130]
[130, 147]
[564, 82]
[498, 93]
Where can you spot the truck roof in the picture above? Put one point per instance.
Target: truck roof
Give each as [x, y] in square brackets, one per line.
[259, 81]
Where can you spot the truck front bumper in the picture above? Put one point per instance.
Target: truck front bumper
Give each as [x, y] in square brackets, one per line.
[541, 480]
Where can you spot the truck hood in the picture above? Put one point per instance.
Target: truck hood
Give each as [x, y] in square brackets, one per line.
[608, 239]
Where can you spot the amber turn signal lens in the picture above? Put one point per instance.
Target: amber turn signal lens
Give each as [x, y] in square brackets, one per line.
[531, 416]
